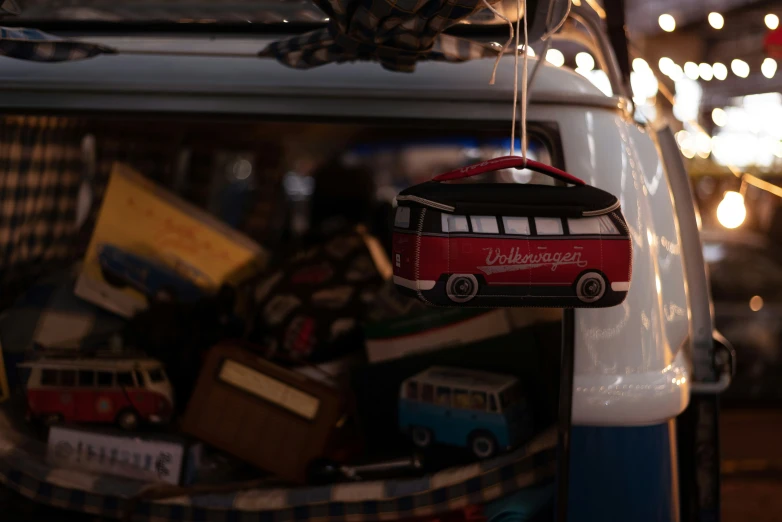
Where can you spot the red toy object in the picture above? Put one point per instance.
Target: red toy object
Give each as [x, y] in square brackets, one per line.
[773, 43]
[491, 244]
[126, 391]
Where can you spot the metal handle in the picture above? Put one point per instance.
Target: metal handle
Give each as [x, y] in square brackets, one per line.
[724, 363]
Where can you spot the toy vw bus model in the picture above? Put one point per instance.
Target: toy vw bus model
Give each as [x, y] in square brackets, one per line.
[121, 268]
[126, 391]
[511, 244]
[482, 411]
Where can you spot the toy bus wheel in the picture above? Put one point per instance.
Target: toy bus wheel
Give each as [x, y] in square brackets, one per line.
[590, 287]
[128, 420]
[483, 445]
[422, 437]
[461, 288]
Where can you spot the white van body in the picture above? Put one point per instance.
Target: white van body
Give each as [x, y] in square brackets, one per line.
[631, 365]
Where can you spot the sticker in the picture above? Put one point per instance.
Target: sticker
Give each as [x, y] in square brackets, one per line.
[300, 336]
[342, 326]
[336, 297]
[279, 307]
[270, 389]
[361, 269]
[313, 274]
[265, 286]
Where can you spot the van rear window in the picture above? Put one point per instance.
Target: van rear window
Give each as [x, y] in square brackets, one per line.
[68, 378]
[516, 225]
[607, 226]
[402, 218]
[549, 226]
[105, 379]
[49, 377]
[585, 226]
[453, 223]
[86, 378]
[485, 225]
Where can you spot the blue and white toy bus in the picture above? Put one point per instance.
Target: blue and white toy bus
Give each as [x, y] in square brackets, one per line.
[485, 412]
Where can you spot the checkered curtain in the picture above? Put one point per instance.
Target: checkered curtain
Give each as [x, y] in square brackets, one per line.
[397, 33]
[40, 174]
[9, 8]
[37, 46]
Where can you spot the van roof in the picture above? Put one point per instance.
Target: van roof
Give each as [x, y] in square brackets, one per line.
[93, 364]
[460, 377]
[511, 199]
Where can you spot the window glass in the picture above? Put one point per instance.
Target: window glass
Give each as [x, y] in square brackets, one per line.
[516, 225]
[548, 226]
[427, 393]
[68, 378]
[607, 226]
[478, 401]
[492, 403]
[453, 223]
[510, 397]
[485, 225]
[125, 379]
[412, 390]
[461, 399]
[49, 377]
[402, 218]
[731, 281]
[590, 225]
[105, 379]
[443, 397]
[86, 378]
[156, 375]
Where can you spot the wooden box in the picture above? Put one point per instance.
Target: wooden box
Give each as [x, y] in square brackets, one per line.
[274, 418]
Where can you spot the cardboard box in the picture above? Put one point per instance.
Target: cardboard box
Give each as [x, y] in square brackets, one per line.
[129, 456]
[148, 243]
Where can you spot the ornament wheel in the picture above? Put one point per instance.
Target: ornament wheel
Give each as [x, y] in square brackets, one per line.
[461, 288]
[483, 445]
[422, 437]
[590, 287]
[128, 420]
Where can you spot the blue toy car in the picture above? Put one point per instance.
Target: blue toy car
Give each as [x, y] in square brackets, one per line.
[151, 277]
[484, 412]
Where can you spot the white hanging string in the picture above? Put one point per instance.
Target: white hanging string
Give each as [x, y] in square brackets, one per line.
[521, 10]
[504, 47]
[515, 80]
[523, 85]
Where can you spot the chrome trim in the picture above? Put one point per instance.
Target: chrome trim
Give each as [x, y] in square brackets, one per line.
[426, 202]
[413, 285]
[601, 212]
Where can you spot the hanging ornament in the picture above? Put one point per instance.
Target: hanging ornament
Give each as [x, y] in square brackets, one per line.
[493, 244]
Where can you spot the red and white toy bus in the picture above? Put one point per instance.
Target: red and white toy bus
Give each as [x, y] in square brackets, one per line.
[122, 391]
[511, 245]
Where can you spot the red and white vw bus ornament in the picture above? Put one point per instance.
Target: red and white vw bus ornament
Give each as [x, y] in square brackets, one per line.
[497, 244]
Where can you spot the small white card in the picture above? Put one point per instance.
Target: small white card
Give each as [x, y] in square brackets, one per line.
[129, 457]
